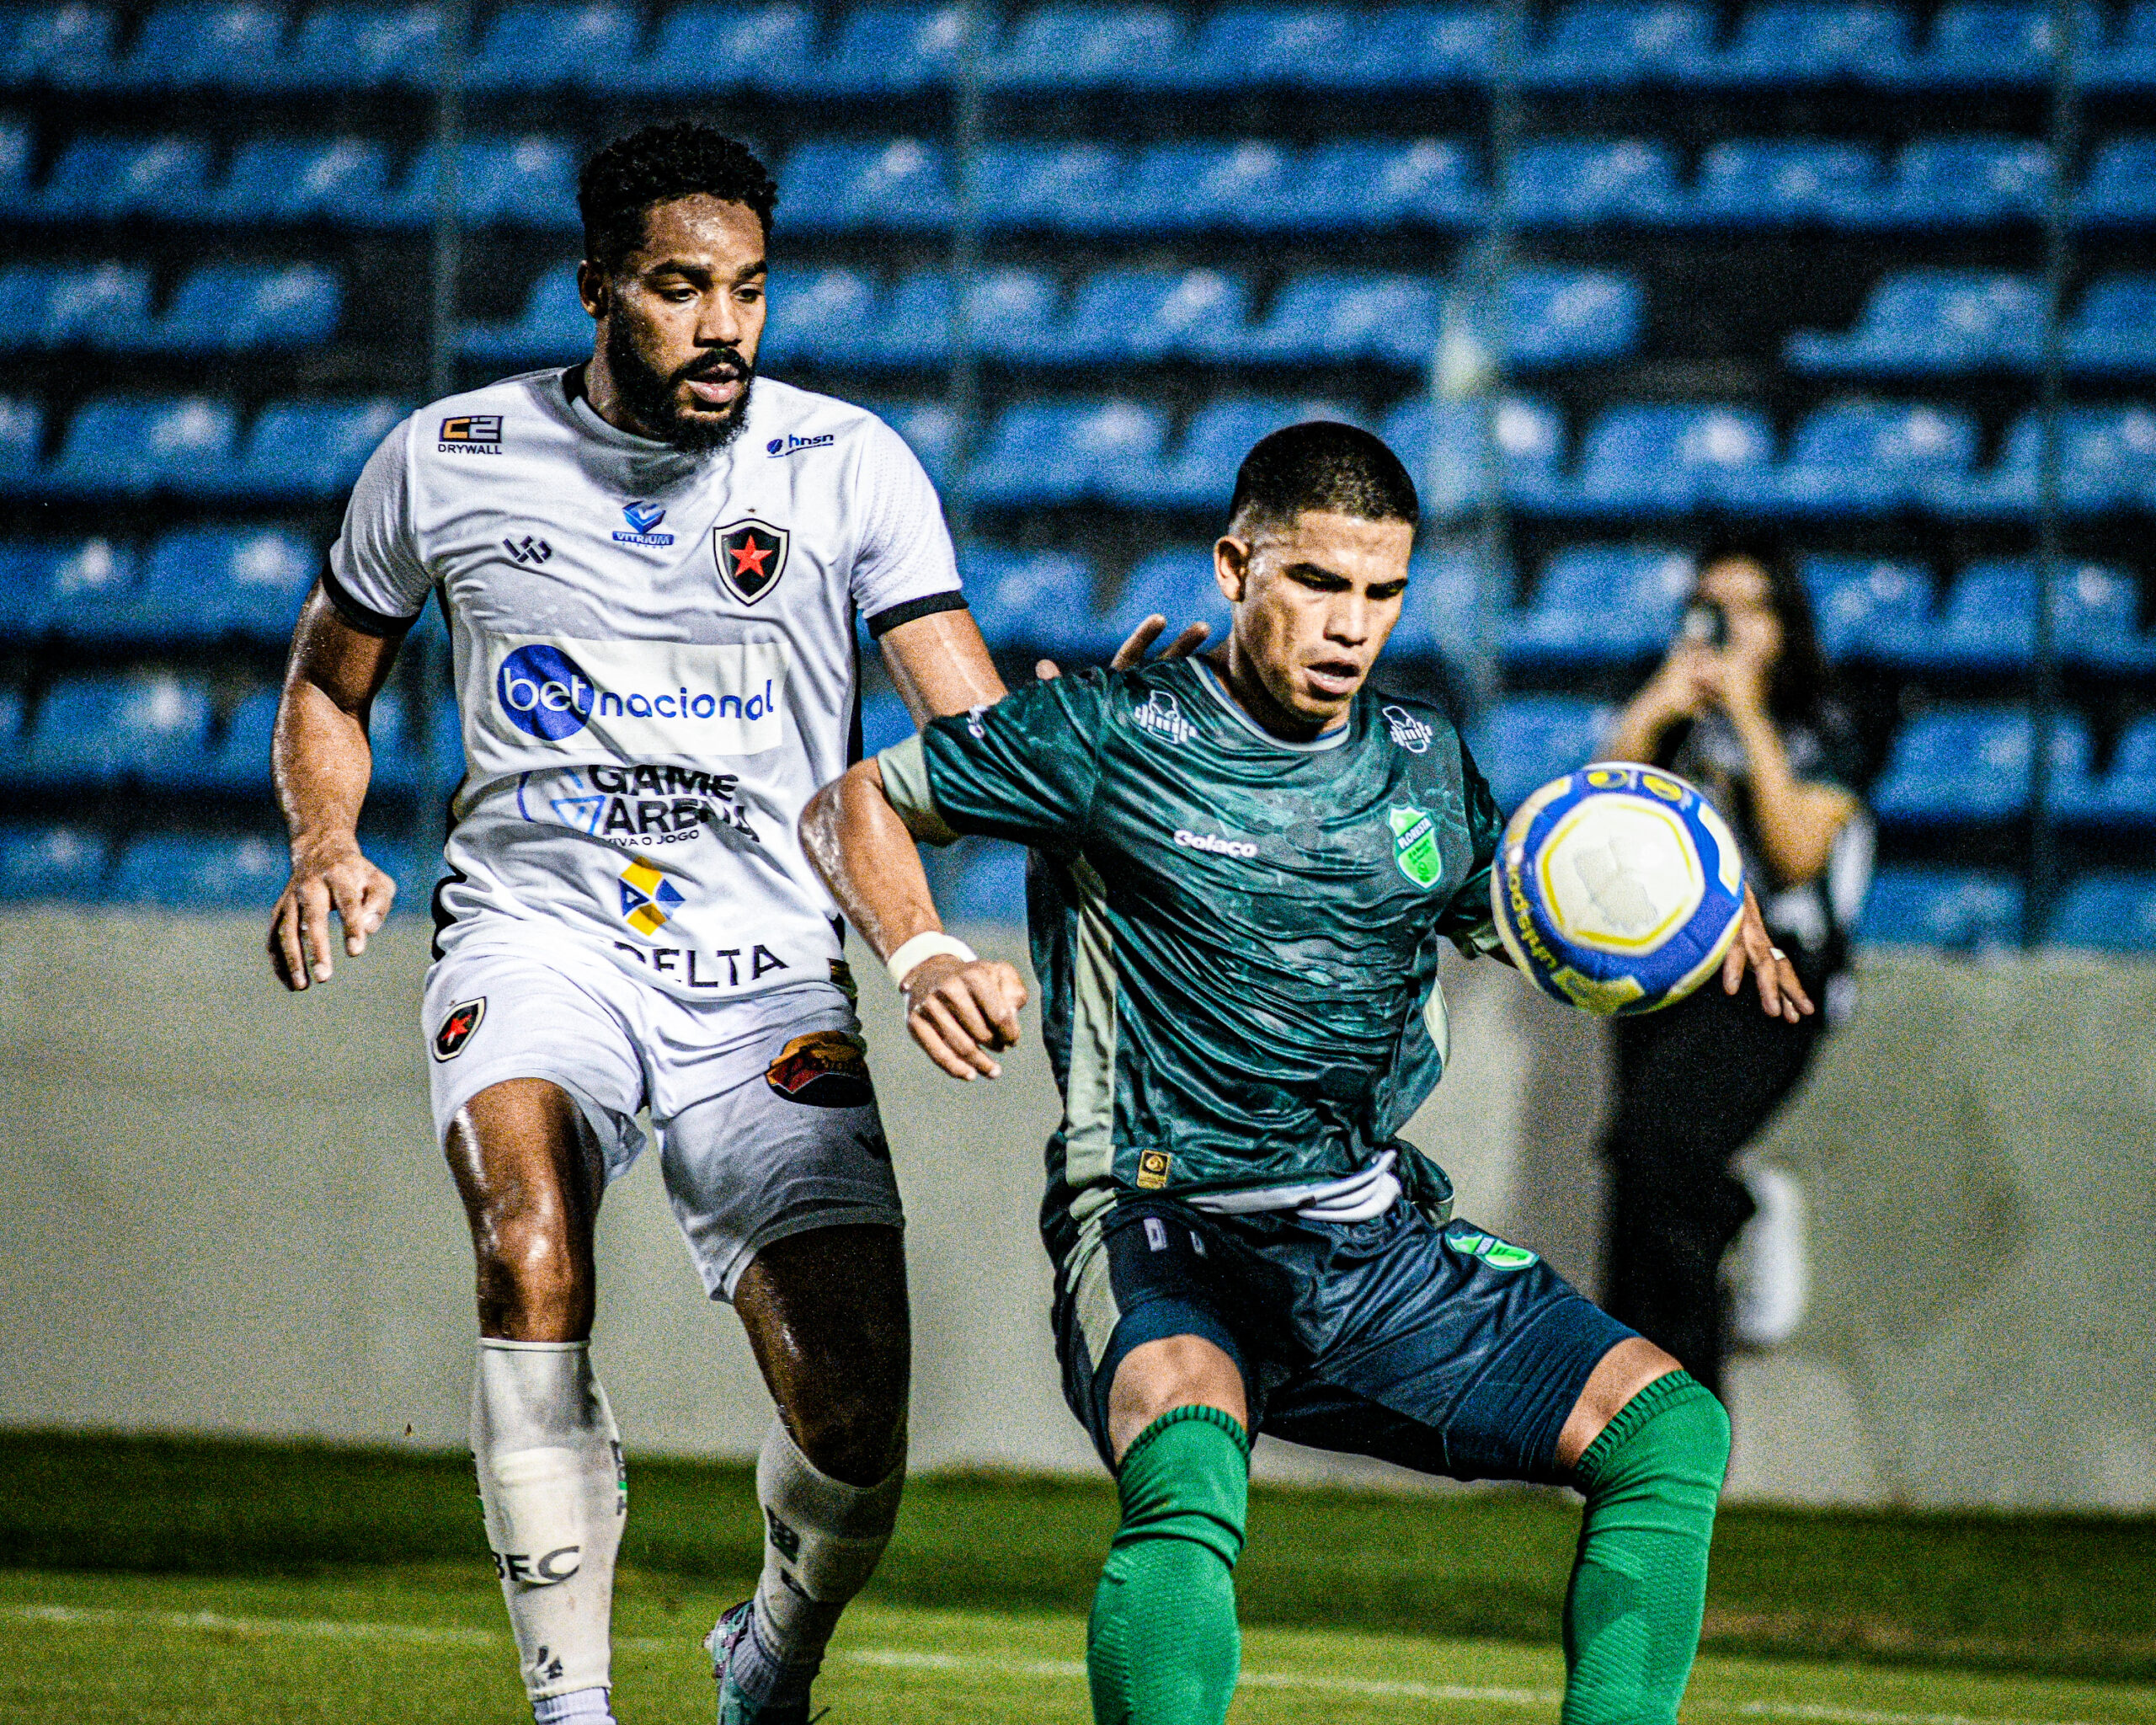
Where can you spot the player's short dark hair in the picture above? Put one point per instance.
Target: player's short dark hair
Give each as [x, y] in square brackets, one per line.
[1325, 466]
[620, 184]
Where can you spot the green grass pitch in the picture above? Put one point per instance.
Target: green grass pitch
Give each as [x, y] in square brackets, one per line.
[211, 1583]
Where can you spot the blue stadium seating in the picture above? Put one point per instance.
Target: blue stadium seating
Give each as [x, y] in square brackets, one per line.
[1356, 185]
[1602, 44]
[22, 435]
[884, 721]
[1059, 188]
[200, 872]
[704, 47]
[2110, 911]
[66, 46]
[1242, 45]
[1526, 741]
[239, 764]
[1959, 764]
[1338, 317]
[1202, 472]
[108, 729]
[1932, 322]
[233, 308]
[50, 863]
[1601, 604]
[2127, 66]
[987, 885]
[400, 763]
[554, 326]
[17, 150]
[1065, 452]
[1078, 47]
[2113, 334]
[1413, 47]
[1152, 315]
[902, 186]
[1198, 188]
[1782, 45]
[1012, 315]
[1963, 909]
[531, 46]
[883, 50]
[2119, 189]
[1571, 183]
[58, 305]
[1960, 182]
[280, 182]
[1441, 614]
[1869, 609]
[1572, 316]
[190, 43]
[1754, 182]
[911, 332]
[811, 318]
[2106, 456]
[1442, 446]
[528, 182]
[1041, 600]
[2126, 795]
[1178, 583]
[110, 179]
[1854, 459]
[930, 431]
[45, 584]
[1982, 44]
[135, 445]
[1640, 463]
[358, 48]
[201, 583]
[1989, 622]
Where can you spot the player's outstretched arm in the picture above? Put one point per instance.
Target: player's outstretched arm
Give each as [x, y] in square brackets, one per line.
[320, 762]
[1781, 995]
[958, 1008]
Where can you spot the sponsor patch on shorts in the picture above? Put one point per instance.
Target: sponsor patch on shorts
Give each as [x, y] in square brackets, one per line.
[825, 1069]
[1153, 1166]
[457, 1025]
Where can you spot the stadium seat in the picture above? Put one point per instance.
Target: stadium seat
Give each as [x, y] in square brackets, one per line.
[531, 46]
[134, 444]
[1042, 601]
[987, 885]
[1988, 623]
[185, 44]
[2113, 334]
[1642, 463]
[1442, 445]
[1065, 452]
[58, 305]
[16, 151]
[234, 308]
[358, 48]
[1066, 47]
[200, 872]
[2126, 66]
[1982, 45]
[1154, 315]
[110, 179]
[2109, 911]
[902, 186]
[1753, 182]
[1600, 605]
[1962, 764]
[812, 316]
[51, 587]
[1178, 583]
[67, 44]
[299, 449]
[2106, 456]
[50, 864]
[555, 327]
[1526, 741]
[929, 430]
[22, 436]
[1192, 187]
[1583, 185]
[1959, 182]
[911, 331]
[1047, 188]
[889, 50]
[1339, 317]
[528, 182]
[107, 729]
[701, 47]
[2126, 795]
[1014, 316]
[1360, 185]
[884, 721]
[279, 182]
[1607, 44]
[2120, 189]
[1572, 316]
[204, 583]
[1782, 45]
[1854, 459]
[1245, 46]
[1202, 472]
[1441, 614]
[1412, 47]
[1930, 323]
[1962, 909]
[1867, 610]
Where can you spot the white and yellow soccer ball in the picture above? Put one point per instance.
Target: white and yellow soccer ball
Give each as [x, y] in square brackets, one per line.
[1618, 888]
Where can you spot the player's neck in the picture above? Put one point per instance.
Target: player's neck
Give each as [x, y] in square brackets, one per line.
[1247, 690]
[604, 397]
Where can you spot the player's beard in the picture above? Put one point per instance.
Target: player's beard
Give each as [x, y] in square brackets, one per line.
[653, 398]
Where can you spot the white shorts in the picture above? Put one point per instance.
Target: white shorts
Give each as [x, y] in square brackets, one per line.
[765, 1119]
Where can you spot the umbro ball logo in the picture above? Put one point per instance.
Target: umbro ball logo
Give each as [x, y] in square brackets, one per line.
[457, 1027]
[751, 557]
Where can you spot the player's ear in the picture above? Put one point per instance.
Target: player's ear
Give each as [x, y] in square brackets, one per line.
[1231, 566]
[591, 287]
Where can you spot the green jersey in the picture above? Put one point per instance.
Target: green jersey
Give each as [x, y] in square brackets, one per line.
[1237, 936]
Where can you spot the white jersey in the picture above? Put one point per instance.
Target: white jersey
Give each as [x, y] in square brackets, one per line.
[655, 659]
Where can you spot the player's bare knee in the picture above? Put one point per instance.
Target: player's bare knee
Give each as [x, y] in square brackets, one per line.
[534, 1285]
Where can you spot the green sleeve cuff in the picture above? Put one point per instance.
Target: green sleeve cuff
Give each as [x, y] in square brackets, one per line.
[905, 767]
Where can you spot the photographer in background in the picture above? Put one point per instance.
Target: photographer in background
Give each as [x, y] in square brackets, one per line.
[1744, 707]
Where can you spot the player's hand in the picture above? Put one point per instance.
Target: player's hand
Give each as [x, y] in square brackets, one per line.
[1134, 650]
[1781, 995]
[326, 876]
[958, 1009]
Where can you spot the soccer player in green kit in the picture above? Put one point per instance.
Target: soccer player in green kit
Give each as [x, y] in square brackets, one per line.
[1243, 865]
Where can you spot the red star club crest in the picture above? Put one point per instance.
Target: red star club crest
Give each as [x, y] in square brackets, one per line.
[457, 1027]
[751, 557]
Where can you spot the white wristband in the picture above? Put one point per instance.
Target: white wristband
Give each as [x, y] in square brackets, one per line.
[908, 958]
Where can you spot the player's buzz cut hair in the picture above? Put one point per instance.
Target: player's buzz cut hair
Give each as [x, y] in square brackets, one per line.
[1324, 466]
[653, 166]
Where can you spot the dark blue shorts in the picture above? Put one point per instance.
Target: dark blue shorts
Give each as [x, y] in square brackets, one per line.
[1444, 1350]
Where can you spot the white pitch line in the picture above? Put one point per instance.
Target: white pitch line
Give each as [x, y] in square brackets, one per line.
[908, 1659]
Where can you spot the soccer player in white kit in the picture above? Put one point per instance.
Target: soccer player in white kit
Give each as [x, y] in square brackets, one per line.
[652, 564]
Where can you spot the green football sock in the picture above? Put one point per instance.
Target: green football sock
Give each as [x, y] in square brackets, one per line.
[1162, 1647]
[1640, 1580]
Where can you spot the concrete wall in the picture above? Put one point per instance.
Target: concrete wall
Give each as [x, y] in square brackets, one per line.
[221, 1211]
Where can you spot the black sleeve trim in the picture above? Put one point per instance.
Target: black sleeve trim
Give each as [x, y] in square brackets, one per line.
[885, 621]
[367, 621]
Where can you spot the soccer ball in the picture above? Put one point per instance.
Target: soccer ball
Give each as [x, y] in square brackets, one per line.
[1617, 888]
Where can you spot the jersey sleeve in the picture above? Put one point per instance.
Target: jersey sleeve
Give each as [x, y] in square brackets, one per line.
[905, 567]
[1022, 769]
[376, 579]
[1467, 919]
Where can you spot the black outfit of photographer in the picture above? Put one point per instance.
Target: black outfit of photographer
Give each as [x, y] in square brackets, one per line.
[1739, 708]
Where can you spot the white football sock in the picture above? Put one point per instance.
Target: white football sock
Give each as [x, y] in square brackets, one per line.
[551, 1481]
[822, 1539]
